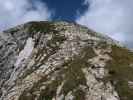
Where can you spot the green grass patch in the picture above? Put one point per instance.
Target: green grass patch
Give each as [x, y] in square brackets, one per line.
[120, 72]
[79, 94]
[73, 74]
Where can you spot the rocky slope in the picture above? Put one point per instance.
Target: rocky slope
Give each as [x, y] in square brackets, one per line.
[63, 61]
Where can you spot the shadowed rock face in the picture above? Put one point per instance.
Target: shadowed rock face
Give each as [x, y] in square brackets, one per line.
[63, 61]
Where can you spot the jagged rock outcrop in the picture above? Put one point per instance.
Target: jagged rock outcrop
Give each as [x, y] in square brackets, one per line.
[63, 61]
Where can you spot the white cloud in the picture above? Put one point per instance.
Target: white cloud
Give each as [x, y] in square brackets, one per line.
[13, 12]
[113, 17]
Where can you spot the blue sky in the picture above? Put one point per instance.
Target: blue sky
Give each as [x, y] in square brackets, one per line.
[66, 9]
[111, 17]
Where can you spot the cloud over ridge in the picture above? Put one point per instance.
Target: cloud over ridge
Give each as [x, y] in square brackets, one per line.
[113, 17]
[14, 12]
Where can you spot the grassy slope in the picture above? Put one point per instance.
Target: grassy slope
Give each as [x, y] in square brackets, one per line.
[73, 76]
[120, 71]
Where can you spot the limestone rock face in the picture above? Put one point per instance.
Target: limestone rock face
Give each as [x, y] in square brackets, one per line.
[63, 61]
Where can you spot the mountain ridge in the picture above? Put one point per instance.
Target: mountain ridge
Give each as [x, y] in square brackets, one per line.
[63, 61]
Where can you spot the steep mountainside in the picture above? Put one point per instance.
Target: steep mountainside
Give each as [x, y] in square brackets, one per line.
[63, 61]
